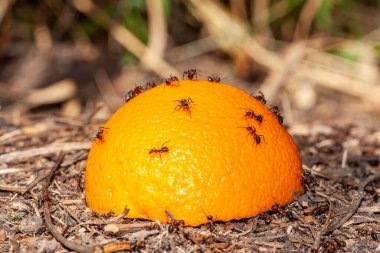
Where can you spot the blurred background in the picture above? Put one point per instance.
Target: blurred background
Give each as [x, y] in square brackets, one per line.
[318, 60]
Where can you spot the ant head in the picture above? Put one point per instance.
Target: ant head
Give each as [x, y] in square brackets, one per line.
[165, 149]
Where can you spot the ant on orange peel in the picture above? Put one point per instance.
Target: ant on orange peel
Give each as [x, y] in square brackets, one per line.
[133, 93]
[172, 81]
[192, 74]
[252, 131]
[214, 78]
[184, 104]
[159, 151]
[100, 136]
[250, 114]
[268, 174]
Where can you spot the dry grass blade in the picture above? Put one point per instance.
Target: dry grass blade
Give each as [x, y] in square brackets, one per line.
[49, 149]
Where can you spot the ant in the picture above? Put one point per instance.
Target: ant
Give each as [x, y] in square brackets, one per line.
[333, 245]
[250, 114]
[79, 181]
[261, 97]
[184, 104]
[276, 111]
[282, 211]
[252, 131]
[100, 134]
[171, 80]
[192, 74]
[320, 210]
[133, 93]
[210, 218]
[174, 221]
[150, 85]
[214, 78]
[159, 151]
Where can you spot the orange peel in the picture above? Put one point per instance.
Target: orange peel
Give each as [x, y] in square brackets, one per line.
[193, 149]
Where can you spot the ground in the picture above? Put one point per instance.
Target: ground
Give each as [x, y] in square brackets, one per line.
[338, 212]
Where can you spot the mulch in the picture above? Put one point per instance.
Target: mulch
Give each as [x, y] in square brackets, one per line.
[43, 208]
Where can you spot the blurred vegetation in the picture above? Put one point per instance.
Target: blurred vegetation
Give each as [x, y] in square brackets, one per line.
[342, 18]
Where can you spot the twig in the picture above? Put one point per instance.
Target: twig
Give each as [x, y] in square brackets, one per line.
[125, 37]
[116, 247]
[49, 149]
[120, 216]
[45, 198]
[157, 27]
[306, 17]
[26, 189]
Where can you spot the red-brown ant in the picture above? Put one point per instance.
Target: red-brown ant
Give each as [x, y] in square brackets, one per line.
[174, 221]
[276, 111]
[101, 133]
[192, 74]
[252, 131]
[150, 85]
[261, 98]
[320, 210]
[79, 181]
[184, 104]
[159, 151]
[250, 114]
[333, 245]
[133, 93]
[214, 78]
[171, 81]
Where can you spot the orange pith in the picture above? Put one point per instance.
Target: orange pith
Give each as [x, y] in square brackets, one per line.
[212, 164]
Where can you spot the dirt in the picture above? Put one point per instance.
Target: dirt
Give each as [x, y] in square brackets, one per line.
[338, 212]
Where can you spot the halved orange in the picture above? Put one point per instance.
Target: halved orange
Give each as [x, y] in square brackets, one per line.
[194, 149]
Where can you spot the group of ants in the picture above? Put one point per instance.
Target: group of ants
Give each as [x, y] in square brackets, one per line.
[184, 104]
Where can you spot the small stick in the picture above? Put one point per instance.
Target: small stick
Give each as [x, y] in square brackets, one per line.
[120, 216]
[22, 190]
[45, 198]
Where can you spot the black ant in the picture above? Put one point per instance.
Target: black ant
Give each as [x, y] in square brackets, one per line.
[210, 218]
[159, 151]
[133, 93]
[192, 74]
[276, 111]
[184, 104]
[150, 85]
[213, 78]
[252, 131]
[171, 80]
[250, 114]
[101, 133]
[261, 98]
[174, 221]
